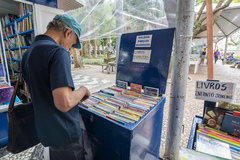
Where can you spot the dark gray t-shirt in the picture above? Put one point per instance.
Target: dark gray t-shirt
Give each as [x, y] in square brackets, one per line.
[45, 67]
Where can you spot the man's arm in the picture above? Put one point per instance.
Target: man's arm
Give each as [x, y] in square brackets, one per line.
[65, 98]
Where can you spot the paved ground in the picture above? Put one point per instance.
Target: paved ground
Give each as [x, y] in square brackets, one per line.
[94, 79]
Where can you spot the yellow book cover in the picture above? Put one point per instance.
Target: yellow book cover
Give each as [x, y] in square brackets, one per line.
[19, 41]
[27, 23]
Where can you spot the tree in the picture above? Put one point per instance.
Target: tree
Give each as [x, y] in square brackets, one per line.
[199, 27]
[77, 58]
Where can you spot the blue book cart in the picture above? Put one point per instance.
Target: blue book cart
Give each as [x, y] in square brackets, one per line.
[144, 59]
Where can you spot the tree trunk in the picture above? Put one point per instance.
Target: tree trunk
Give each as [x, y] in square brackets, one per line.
[87, 52]
[84, 49]
[200, 11]
[77, 58]
[95, 48]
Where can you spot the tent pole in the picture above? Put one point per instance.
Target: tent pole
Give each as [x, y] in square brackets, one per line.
[182, 48]
[119, 24]
[209, 39]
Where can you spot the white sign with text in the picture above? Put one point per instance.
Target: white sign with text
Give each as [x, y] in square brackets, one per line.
[143, 41]
[141, 56]
[215, 91]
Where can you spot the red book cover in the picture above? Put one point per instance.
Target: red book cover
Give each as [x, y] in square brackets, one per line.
[236, 113]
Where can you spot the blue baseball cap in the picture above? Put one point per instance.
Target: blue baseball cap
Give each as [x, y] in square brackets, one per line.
[72, 23]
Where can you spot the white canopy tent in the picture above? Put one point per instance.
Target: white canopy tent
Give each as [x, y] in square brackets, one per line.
[227, 23]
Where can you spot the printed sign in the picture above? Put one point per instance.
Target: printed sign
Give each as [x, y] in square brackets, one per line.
[151, 91]
[143, 41]
[121, 84]
[135, 88]
[142, 56]
[215, 91]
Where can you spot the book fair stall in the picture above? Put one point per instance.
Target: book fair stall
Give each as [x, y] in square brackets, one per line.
[124, 120]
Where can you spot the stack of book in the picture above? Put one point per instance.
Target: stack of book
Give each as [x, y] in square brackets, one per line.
[25, 9]
[11, 42]
[14, 54]
[120, 105]
[8, 31]
[7, 19]
[24, 25]
[212, 135]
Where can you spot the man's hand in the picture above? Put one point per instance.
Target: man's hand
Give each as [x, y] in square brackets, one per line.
[87, 93]
[65, 98]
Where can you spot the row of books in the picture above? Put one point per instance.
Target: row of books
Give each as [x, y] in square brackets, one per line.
[8, 31]
[11, 42]
[25, 25]
[120, 105]
[25, 9]
[25, 40]
[13, 54]
[8, 18]
[18, 27]
[16, 65]
[19, 41]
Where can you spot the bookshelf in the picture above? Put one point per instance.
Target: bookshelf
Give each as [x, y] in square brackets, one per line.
[18, 34]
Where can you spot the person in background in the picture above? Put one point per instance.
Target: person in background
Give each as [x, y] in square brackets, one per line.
[72, 60]
[203, 56]
[216, 55]
[235, 64]
[46, 68]
[229, 58]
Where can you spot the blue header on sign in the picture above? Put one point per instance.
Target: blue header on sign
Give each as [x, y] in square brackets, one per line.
[144, 58]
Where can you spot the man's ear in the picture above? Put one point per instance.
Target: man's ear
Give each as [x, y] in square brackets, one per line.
[68, 33]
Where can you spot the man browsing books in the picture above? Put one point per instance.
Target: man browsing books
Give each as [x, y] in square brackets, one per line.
[46, 68]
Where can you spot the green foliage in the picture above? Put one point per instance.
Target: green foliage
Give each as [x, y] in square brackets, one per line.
[92, 61]
[199, 2]
[237, 57]
[103, 41]
[113, 42]
[214, 1]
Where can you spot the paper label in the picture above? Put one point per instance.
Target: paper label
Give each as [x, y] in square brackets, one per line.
[142, 56]
[215, 91]
[151, 91]
[143, 41]
[135, 88]
[121, 84]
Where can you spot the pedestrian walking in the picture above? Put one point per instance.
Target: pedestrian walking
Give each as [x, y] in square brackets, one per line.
[216, 55]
